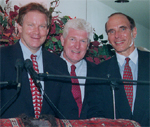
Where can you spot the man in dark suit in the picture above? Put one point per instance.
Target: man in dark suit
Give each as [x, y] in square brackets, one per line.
[75, 41]
[121, 32]
[33, 26]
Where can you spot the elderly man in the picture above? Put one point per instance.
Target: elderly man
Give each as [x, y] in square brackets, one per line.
[76, 40]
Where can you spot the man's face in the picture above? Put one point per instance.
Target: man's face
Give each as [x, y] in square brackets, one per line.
[34, 30]
[75, 45]
[120, 35]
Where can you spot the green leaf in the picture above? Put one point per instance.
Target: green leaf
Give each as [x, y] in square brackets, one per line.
[104, 41]
[5, 22]
[13, 22]
[58, 28]
[15, 41]
[94, 52]
[95, 37]
[59, 45]
[1, 19]
[101, 36]
[54, 39]
[49, 44]
[60, 31]
[65, 19]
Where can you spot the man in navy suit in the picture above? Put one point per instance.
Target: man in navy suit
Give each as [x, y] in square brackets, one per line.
[75, 41]
[33, 26]
[121, 31]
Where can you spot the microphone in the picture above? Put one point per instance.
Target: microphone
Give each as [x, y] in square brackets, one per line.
[19, 66]
[29, 66]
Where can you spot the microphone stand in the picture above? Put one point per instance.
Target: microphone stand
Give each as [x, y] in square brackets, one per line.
[19, 66]
[7, 83]
[113, 83]
[4, 106]
[51, 103]
[51, 76]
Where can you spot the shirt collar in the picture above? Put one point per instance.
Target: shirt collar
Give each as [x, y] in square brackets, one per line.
[69, 64]
[27, 53]
[133, 57]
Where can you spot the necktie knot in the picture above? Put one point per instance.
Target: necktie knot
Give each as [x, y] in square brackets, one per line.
[73, 67]
[33, 57]
[127, 60]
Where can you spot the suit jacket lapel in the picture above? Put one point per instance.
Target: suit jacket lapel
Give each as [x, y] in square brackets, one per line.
[25, 87]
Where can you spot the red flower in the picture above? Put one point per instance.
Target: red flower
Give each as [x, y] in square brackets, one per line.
[96, 60]
[90, 59]
[95, 43]
[12, 14]
[16, 7]
[7, 1]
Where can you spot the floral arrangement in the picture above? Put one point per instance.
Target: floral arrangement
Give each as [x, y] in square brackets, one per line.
[99, 49]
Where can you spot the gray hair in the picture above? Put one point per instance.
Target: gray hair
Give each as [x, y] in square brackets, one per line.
[78, 24]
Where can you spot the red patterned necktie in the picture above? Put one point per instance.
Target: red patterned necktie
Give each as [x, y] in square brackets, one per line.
[128, 88]
[36, 95]
[76, 89]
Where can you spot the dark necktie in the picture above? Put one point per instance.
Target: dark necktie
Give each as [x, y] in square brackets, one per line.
[76, 89]
[36, 95]
[128, 88]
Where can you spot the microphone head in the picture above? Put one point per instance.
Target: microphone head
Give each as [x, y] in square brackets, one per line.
[19, 63]
[28, 64]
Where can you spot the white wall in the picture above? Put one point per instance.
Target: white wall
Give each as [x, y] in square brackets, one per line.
[93, 11]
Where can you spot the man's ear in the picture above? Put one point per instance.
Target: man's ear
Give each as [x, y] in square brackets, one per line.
[62, 40]
[19, 27]
[134, 32]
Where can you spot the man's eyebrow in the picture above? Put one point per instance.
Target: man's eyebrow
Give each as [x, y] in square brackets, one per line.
[109, 30]
[123, 27]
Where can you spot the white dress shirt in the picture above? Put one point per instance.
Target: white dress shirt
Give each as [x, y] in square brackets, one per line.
[26, 55]
[81, 70]
[133, 63]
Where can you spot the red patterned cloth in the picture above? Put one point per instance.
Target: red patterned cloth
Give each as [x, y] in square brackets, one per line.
[128, 88]
[36, 95]
[12, 122]
[76, 89]
[98, 122]
[93, 122]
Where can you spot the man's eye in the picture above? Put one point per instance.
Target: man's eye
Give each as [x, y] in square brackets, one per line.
[42, 26]
[84, 41]
[30, 25]
[123, 29]
[111, 31]
[71, 39]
